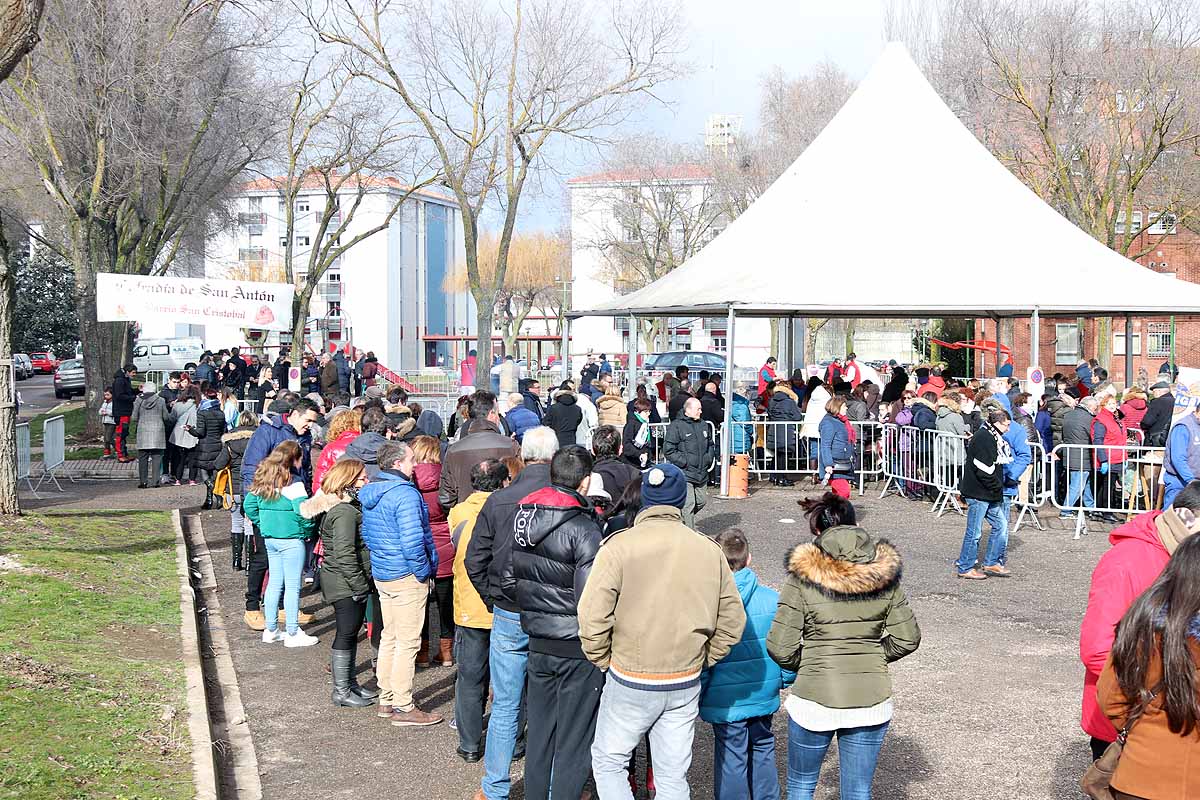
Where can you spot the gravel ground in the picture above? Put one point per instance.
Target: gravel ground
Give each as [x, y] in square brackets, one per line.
[997, 677]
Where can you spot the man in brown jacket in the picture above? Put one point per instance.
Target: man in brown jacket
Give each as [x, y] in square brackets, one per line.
[484, 440]
[660, 605]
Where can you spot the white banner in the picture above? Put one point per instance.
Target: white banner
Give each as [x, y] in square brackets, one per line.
[1187, 392]
[245, 304]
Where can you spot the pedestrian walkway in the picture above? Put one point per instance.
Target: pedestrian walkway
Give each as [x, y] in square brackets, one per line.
[95, 468]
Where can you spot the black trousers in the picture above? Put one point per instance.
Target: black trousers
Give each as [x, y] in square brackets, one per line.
[184, 460]
[471, 685]
[348, 616]
[443, 593]
[564, 696]
[1098, 747]
[256, 569]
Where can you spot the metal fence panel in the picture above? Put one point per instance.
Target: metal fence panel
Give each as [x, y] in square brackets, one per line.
[1103, 480]
[24, 451]
[54, 449]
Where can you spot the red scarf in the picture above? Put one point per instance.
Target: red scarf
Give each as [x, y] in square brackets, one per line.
[849, 428]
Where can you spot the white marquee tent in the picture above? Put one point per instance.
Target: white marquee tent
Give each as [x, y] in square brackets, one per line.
[897, 210]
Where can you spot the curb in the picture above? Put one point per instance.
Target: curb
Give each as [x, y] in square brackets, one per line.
[204, 765]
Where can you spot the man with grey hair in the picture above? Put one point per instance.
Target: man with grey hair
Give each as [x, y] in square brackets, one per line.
[489, 566]
[688, 446]
[1077, 430]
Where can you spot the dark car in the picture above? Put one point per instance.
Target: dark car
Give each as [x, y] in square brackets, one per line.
[68, 379]
[44, 362]
[23, 366]
[660, 363]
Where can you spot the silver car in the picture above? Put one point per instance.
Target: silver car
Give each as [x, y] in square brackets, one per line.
[23, 366]
[68, 379]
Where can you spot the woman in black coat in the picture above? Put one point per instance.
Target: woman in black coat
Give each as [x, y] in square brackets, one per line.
[637, 454]
[783, 439]
[208, 430]
[233, 450]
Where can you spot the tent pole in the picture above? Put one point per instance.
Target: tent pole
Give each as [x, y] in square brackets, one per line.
[800, 344]
[727, 425]
[633, 354]
[785, 345]
[997, 347]
[1128, 350]
[565, 353]
[1035, 331]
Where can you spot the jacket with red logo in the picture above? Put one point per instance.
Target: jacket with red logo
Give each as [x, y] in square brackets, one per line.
[1136, 558]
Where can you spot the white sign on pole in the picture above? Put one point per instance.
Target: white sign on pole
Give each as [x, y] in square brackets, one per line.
[1187, 392]
[244, 304]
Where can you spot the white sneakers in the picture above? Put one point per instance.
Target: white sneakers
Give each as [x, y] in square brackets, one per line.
[297, 639]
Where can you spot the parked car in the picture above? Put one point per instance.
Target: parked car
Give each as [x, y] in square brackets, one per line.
[44, 362]
[68, 379]
[23, 366]
[170, 355]
[660, 363]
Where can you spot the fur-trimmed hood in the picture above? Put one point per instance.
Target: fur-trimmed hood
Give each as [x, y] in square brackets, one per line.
[237, 433]
[949, 401]
[845, 562]
[319, 503]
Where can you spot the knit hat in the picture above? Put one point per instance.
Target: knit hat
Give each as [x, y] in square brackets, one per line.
[1161, 385]
[149, 388]
[375, 391]
[664, 485]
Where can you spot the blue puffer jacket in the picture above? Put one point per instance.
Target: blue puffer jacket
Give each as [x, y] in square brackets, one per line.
[743, 431]
[521, 419]
[746, 683]
[395, 528]
[266, 437]
[834, 446]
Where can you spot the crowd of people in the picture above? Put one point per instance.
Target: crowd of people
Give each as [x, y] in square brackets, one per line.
[575, 595]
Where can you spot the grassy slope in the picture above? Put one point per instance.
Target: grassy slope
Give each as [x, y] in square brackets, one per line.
[91, 682]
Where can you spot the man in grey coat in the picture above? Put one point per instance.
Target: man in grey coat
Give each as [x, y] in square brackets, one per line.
[150, 417]
[1077, 430]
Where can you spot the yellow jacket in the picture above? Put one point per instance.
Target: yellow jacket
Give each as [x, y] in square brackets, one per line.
[469, 610]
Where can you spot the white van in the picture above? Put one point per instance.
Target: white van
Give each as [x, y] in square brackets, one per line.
[170, 355]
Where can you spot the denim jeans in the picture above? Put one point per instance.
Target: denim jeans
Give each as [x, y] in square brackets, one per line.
[626, 714]
[1079, 478]
[744, 760]
[858, 753]
[507, 657]
[285, 559]
[995, 514]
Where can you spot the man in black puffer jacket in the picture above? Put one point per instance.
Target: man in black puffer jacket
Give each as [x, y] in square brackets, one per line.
[555, 539]
[688, 446]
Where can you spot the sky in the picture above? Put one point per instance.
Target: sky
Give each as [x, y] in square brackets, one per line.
[731, 47]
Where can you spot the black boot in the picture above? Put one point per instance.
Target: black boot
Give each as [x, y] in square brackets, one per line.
[236, 540]
[208, 497]
[365, 692]
[341, 665]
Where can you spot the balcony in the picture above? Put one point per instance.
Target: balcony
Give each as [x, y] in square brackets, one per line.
[252, 218]
[256, 255]
[329, 292]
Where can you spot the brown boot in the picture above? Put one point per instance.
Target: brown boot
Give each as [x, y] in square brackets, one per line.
[423, 654]
[255, 620]
[414, 719]
[446, 652]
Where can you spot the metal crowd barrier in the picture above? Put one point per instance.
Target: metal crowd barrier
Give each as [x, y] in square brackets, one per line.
[432, 382]
[1034, 488]
[54, 450]
[658, 435]
[1079, 487]
[25, 457]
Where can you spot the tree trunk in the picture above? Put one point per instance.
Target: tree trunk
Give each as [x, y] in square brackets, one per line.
[299, 318]
[485, 315]
[851, 327]
[106, 345]
[1104, 342]
[9, 502]
[775, 328]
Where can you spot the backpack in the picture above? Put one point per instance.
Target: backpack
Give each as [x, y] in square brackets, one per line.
[223, 487]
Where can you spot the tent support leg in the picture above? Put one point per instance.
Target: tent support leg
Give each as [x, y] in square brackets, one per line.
[1035, 331]
[566, 348]
[1128, 350]
[785, 350]
[997, 346]
[633, 356]
[727, 426]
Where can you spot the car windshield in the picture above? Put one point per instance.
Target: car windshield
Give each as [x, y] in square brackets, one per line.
[41, 355]
[70, 365]
[668, 360]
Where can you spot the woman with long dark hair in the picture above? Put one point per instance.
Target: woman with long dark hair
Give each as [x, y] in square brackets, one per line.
[1150, 684]
[842, 619]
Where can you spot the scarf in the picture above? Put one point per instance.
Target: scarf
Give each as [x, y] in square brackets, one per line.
[849, 428]
[1171, 530]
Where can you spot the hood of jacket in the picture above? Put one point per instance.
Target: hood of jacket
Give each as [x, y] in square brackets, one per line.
[845, 562]
[785, 390]
[366, 446]
[430, 424]
[610, 400]
[427, 476]
[948, 403]
[237, 434]
[545, 510]
[319, 503]
[747, 584]
[149, 402]
[566, 398]
[921, 401]
[373, 493]
[1137, 402]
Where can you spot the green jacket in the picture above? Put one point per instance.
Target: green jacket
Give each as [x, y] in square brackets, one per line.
[280, 518]
[346, 564]
[842, 619]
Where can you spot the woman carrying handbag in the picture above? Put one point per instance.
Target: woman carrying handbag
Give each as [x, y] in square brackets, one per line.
[1148, 690]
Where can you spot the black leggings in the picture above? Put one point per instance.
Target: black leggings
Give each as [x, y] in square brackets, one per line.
[348, 614]
[443, 590]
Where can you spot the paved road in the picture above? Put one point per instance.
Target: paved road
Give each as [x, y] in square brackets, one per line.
[37, 395]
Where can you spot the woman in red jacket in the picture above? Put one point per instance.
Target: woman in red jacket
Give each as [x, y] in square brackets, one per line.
[1108, 433]
[427, 475]
[1134, 407]
[344, 429]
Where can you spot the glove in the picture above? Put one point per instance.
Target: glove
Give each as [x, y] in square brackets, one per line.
[1104, 468]
[1010, 483]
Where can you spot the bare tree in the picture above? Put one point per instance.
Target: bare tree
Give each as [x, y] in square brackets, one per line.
[494, 86]
[536, 263]
[135, 116]
[1095, 107]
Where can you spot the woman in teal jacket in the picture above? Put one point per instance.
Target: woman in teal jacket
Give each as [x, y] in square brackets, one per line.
[273, 505]
[743, 431]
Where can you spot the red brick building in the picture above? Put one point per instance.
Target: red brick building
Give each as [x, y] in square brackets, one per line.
[1063, 343]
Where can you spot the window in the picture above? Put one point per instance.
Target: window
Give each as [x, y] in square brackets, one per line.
[719, 344]
[1123, 104]
[333, 277]
[1162, 223]
[1159, 336]
[139, 351]
[665, 198]
[1119, 343]
[629, 233]
[255, 238]
[160, 350]
[1066, 344]
[255, 205]
[283, 243]
[303, 241]
[1134, 228]
[282, 206]
[302, 206]
[712, 360]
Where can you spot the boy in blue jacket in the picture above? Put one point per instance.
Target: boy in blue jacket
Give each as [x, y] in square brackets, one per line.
[740, 695]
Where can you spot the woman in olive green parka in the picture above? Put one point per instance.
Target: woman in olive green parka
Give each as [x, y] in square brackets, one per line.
[842, 619]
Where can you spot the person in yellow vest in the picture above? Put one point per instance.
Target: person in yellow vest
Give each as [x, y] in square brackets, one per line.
[472, 620]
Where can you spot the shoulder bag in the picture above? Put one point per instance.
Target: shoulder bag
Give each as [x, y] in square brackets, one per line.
[1096, 782]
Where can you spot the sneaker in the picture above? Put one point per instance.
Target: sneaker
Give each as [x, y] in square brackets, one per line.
[192, 483]
[308, 580]
[453, 723]
[384, 711]
[255, 620]
[414, 719]
[299, 639]
[270, 637]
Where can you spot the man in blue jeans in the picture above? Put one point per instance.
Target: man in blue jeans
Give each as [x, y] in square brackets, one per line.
[489, 566]
[982, 485]
[1077, 430]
